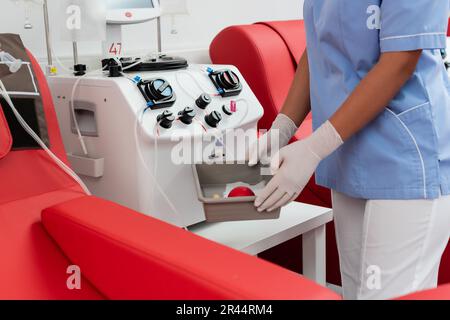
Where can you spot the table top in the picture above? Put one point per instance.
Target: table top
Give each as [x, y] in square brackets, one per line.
[254, 237]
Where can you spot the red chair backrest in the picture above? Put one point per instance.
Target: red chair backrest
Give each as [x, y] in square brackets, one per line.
[267, 55]
[25, 173]
[448, 30]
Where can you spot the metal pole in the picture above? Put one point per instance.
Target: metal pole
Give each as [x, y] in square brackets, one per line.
[75, 52]
[159, 30]
[47, 35]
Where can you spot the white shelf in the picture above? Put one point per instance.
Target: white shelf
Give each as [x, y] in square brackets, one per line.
[254, 237]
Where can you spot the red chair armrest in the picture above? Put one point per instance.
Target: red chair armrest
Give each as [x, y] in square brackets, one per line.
[127, 255]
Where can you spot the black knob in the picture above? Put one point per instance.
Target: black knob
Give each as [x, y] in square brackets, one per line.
[227, 110]
[213, 119]
[115, 71]
[228, 80]
[203, 101]
[80, 70]
[187, 115]
[166, 119]
[158, 90]
[105, 63]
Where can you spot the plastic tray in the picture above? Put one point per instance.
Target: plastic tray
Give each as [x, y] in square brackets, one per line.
[212, 182]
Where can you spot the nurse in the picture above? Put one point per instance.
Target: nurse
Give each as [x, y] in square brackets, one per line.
[375, 81]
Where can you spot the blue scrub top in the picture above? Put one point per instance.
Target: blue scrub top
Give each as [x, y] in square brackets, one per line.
[405, 152]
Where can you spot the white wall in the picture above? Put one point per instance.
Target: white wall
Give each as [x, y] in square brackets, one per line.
[195, 32]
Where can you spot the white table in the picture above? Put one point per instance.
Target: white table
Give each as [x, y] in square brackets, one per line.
[254, 237]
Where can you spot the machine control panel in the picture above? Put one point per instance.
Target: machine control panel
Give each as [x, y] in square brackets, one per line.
[208, 110]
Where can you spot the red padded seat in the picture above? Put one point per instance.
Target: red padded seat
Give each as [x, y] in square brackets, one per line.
[32, 265]
[132, 256]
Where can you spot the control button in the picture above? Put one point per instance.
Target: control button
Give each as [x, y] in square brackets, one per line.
[227, 110]
[159, 90]
[115, 71]
[203, 101]
[229, 80]
[213, 119]
[187, 115]
[79, 70]
[166, 119]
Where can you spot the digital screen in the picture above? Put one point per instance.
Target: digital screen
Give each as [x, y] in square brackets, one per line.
[130, 4]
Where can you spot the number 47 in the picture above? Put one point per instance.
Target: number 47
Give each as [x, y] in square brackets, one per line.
[116, 48]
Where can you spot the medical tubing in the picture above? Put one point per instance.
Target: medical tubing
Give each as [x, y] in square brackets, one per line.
[183, 88]
[72, 111]
[30, 131]
[131, 65]
[75, 120]
[60, 63]
[247, 109]
[155, 158]
[142, 158]
[197, 83]
[137, 62]
[139, 119]
[72, 106]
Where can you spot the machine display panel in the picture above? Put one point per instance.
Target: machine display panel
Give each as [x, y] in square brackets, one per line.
[130, 4]
[132, 11]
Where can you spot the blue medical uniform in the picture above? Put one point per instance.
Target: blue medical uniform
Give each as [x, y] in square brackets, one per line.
[405, 152]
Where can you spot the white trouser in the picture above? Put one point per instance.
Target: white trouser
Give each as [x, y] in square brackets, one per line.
[390, 248]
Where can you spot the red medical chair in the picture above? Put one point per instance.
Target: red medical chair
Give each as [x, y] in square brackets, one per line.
[47, 224]
[267, 54]
[31, 264]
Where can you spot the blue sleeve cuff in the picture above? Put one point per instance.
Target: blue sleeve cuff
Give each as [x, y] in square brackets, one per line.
[414, 42]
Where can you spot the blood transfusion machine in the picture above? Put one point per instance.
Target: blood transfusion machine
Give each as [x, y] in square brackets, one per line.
[133, 133]
[132, 153]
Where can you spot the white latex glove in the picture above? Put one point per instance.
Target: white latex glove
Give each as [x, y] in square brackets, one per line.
[294, 167]
[283, 129]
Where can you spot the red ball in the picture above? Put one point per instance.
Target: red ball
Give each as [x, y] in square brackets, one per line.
[241, 192]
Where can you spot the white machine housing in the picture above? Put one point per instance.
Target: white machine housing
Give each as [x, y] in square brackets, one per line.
[131, 12]
[125, 12]
[111, 109]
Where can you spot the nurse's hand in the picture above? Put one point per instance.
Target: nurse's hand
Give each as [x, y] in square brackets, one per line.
[294, 167]
[283, 129]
